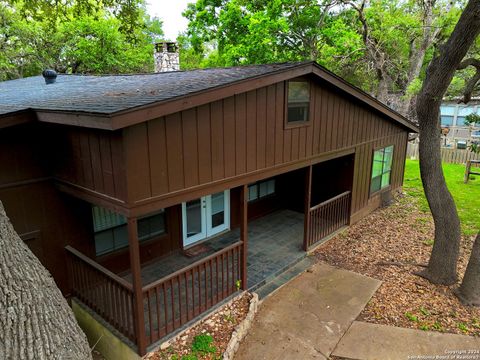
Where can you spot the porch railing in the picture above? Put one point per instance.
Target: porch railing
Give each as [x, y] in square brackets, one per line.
[107, 294]
[327, 217]
[179, 297]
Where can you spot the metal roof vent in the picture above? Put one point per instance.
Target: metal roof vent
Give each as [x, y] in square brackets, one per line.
[49, 75]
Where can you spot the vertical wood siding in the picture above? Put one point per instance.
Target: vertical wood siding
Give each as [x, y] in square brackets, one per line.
[44, 218]
[246, 133]
[94, 159]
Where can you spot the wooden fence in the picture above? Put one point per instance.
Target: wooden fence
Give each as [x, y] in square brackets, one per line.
[452, 156]
[327, 217]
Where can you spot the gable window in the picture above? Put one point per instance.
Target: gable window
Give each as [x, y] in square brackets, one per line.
[261, 189]
[110, 229]
[381, 168]
[298, 100]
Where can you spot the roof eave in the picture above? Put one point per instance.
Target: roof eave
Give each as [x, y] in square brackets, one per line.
[16, 118]
[81, 119]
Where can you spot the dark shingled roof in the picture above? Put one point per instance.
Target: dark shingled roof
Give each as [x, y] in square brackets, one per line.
[113, 93]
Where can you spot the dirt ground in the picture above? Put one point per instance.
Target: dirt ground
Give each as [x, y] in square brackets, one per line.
[219, 326]
[390, 245]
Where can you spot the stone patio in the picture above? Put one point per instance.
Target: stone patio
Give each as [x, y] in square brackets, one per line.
[274, 244]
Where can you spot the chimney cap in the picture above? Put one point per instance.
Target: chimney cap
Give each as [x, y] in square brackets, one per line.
[49, 75]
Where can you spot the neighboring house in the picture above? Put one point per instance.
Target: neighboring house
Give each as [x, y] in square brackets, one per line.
[151, 198]
[452, 115]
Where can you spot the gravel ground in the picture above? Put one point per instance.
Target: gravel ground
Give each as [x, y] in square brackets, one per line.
[219, 325]
[390, 245]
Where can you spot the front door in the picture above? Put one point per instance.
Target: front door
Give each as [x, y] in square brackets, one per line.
[205, 217]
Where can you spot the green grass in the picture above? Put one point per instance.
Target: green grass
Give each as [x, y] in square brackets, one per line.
[466, 196]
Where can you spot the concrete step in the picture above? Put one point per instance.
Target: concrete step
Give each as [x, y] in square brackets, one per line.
[272, 283]
[274, 275]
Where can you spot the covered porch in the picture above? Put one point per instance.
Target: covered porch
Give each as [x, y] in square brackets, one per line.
[274, 242]
[156, 298]
[177, 288]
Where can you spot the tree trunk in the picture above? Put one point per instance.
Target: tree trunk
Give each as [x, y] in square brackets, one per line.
[35, 319]
[384, 84]
[469, 290]
[442, 267]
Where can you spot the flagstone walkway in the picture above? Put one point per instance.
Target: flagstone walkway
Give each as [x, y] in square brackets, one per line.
[313, 317]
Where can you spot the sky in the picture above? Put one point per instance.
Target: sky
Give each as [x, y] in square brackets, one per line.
[170, 12]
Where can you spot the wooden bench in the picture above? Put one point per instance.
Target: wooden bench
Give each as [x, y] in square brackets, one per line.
[468, 170]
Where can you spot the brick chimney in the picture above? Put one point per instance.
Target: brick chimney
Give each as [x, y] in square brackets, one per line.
[166, 57]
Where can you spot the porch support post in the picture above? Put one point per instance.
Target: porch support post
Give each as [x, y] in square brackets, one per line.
[244, 232]
[138, 314]
[307, 203]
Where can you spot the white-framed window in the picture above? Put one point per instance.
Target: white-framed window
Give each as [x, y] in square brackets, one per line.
[261, 189]
[110, 229]
[381, 168]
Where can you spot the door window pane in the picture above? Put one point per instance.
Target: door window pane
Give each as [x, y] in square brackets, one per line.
[194, 217]
[218, 209]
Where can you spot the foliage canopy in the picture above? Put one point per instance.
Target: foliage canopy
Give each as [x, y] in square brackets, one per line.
[76, 36]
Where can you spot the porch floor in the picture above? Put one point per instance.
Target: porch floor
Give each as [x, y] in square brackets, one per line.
[274, 243]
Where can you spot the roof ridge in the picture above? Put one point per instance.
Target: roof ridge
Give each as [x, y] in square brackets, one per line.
[292, 63]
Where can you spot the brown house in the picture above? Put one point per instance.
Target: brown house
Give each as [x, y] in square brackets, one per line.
[138, 192]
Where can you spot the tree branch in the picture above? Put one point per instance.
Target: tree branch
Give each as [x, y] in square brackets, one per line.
[470, 87]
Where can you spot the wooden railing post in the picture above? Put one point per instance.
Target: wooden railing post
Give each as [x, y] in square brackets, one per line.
[139, 317]
[307, 202]
[244, 232]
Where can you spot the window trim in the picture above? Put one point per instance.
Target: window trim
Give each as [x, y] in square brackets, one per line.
[297, 124]
[388, 187]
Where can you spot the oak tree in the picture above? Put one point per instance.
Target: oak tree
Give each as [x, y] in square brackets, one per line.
[442, 267]
[35, 319]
